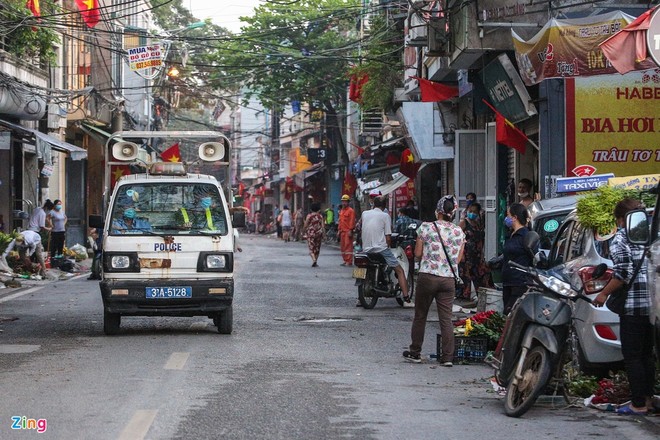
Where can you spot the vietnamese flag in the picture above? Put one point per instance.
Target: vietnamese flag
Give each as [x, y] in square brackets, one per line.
[355, 87]
[117, 172]
[435, 92]
[408, 167]
[506, 133]
[350, 184]
[89, 10]
[33, 5]
[172, 154]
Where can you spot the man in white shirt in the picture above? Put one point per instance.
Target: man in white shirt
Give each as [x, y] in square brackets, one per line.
[39, 216]
[376, 236]
[28, 243]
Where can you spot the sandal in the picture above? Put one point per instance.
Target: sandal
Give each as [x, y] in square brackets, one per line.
[627, 409]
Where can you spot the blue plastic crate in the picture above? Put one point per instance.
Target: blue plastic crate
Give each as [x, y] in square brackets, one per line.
[466, 348]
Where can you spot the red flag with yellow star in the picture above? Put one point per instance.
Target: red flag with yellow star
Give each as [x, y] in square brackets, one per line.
[408, 167]
[33, 5]
[89, 10]
[350, 184]
[117, 172]
[172, 154]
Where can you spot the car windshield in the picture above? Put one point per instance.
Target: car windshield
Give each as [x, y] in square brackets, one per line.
[168, 208]
[547, 228]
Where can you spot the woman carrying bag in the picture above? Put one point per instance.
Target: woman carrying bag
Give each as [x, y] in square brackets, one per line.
[439, 248]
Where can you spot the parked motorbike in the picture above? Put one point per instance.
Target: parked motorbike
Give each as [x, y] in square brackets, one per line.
[376, 280]
[538, 340]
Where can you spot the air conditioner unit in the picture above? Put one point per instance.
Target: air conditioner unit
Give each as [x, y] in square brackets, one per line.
[438, 37]
[417, 32]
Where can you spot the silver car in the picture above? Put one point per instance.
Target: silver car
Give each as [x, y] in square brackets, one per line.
[547, 216]
[574, 254]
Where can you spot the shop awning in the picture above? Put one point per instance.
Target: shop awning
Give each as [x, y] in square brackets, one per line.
[387, 143]
[76, 153]
[391, 186]
[423, 122]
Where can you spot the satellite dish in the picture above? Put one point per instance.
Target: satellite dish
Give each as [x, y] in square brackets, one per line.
[212, 151]
[125, 150]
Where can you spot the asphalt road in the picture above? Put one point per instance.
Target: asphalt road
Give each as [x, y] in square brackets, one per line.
[303, 363]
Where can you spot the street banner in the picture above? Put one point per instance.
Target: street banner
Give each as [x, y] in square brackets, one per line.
[578, 184]
[404, 193]
[145, 57]
[627, 47]
[644, 182]
[570, 48]
[612, 123]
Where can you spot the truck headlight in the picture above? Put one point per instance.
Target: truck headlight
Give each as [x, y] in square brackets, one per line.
[216, 261]
[120, 262]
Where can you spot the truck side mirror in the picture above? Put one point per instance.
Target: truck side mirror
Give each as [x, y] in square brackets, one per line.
[238, 219]
[95, 221]
[637, 227]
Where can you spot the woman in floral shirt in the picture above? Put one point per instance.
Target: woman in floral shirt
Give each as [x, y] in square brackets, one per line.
[436, 279]
[314, 230]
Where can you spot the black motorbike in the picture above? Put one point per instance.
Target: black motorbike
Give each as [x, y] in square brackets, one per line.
[376, 280]
[538, 339]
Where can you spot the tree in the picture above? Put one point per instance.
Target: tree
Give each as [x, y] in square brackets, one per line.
[382, 63]
[25, 35]
[294, 51]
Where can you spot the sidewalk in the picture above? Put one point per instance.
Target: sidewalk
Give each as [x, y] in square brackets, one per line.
[53, 275]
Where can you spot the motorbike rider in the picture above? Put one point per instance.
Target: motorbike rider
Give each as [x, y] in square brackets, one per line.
[376, 238]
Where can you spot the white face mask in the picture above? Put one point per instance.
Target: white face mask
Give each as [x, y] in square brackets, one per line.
[523, 195]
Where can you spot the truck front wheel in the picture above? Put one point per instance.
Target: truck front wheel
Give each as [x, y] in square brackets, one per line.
[224, 321]
[111, 323]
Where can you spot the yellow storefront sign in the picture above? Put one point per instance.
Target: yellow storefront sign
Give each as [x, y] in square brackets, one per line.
[644, 182]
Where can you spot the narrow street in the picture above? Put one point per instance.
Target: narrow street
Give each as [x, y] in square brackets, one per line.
[302, 363]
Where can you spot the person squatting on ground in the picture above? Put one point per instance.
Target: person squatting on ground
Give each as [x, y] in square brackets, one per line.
[28, 243]
[58, 219]
[436, 279]
[473, 269]
[314, 231]
[514, 282]
[346, 227]
[635, 327]
[376, 238]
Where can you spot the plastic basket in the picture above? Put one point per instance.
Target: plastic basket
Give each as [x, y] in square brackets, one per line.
[467, 348]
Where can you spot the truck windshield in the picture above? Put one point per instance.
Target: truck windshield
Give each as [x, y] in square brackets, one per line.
[168, 208]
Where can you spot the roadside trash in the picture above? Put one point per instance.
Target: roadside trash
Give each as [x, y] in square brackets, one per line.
[79, 250]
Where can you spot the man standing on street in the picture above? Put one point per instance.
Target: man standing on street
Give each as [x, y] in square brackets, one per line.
[346, 226]
[39, 218]
[376, 236]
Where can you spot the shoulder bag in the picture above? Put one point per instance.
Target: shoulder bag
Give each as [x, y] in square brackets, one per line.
[458, 280]
[616, 301]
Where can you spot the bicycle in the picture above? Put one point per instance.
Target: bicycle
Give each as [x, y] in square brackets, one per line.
[331, 234]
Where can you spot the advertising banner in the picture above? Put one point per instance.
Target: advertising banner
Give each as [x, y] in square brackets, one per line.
[569, 48]
[145, 57]
[645, 182]
[612, 124]
[403, 194]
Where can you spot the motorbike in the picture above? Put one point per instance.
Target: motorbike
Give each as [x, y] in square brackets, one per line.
[539, 339]
[375, 279]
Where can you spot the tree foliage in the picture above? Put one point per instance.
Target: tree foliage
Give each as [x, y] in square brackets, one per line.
[25, 35]
[382, 63]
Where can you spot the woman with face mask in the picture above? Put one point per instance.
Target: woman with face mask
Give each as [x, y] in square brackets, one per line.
[515, 282]
[473, 269]
[58, 219]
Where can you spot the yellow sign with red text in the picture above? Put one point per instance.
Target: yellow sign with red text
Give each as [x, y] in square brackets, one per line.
[612, 123]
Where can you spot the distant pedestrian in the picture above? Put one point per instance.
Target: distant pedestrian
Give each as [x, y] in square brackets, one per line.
[286, 220]
[412, 211]
[58, 219]
[278, 223]
[314, 231]
[257, 221]
[298, 222]
[346, 229]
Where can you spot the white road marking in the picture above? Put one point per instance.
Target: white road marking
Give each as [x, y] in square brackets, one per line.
[177, 361]
[139, 425]
[18, 348]
[19, 294]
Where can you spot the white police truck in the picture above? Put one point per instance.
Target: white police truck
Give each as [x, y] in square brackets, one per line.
[168, 230]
